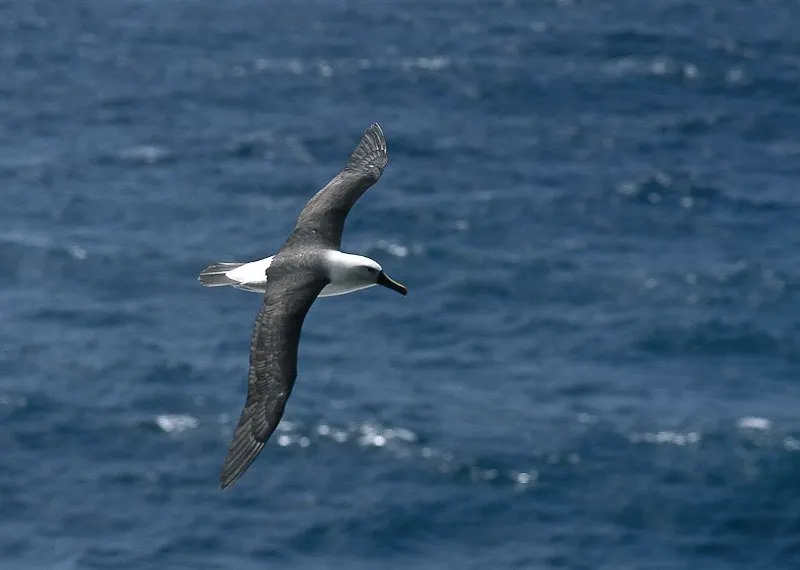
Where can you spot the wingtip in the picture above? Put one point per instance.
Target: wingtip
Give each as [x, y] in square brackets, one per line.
[243, 450]
[232, 471]
[371, 152]
[376, 130]
[227, 478]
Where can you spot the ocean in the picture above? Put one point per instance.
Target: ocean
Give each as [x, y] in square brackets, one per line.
[594, 206]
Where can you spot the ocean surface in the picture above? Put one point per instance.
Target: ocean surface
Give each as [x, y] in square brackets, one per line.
[594, 205]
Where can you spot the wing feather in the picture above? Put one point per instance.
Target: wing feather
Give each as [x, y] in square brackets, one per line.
[273, 365]
[324, 215]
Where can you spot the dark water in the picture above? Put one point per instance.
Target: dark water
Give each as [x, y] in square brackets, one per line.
[596, 209]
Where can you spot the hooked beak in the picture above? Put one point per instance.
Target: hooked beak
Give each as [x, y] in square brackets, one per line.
[390, 283]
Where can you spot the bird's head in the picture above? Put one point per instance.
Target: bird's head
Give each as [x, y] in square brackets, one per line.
[358, 272]
[372, 272]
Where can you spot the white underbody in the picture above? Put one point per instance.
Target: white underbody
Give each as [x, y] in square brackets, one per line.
[252, 276]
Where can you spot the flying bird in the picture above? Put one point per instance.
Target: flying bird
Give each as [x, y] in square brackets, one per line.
[309, 265]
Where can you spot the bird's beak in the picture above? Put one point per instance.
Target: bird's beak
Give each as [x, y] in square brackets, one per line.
[390, 283]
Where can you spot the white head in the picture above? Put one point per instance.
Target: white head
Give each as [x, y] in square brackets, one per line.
[359, 272]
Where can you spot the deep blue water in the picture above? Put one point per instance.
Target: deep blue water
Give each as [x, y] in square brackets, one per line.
[594, 205]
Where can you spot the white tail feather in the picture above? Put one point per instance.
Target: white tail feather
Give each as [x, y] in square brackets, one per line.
[246, 276]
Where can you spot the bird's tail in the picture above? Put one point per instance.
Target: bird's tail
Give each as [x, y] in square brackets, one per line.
[215, 275]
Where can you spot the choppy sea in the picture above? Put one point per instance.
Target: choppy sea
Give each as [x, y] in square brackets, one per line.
[594, 205]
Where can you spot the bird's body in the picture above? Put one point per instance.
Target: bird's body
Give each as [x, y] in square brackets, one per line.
[252, 276]
[309, 265]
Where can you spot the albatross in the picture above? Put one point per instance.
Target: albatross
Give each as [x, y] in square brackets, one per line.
[309, 265]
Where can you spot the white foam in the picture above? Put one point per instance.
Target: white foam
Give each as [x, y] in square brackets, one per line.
[791, 444]
[17, 402]
[176, 423]
[666, 437]
[524, 478]
[145, 154]
[77, 252]
[754, 423]
[398, 250]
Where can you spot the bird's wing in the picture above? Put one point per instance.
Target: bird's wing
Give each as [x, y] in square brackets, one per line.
[324, 215]
[273, 364]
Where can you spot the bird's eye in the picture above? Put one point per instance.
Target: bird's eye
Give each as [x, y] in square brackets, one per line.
[371, 269]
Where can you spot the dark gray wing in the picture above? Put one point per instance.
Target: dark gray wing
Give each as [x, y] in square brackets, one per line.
[323, 217]
[273, 365]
